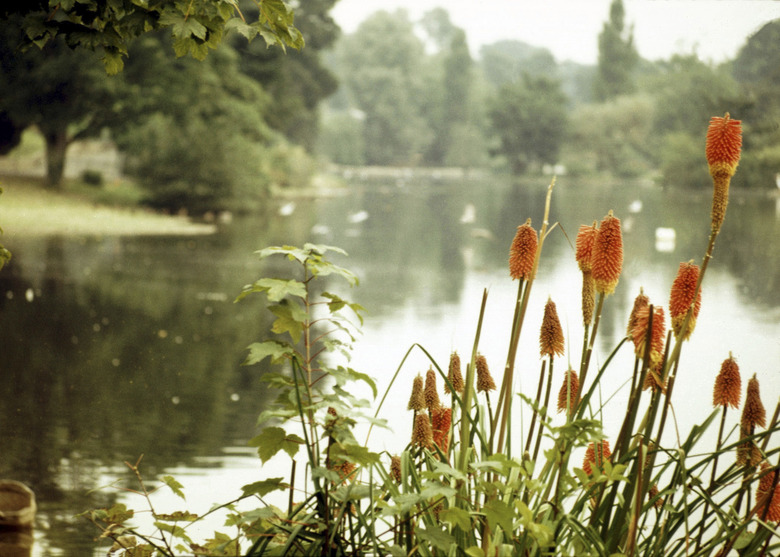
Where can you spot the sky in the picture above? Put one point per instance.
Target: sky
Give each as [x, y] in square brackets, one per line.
[713, 29]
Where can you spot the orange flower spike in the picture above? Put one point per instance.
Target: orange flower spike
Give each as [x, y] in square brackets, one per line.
[728, 385]
[484, 378]
[522, 254]
[765, 484]
[724, 145]
[607, 256]
[422, 434]
[723, 149]
[657, 336]
[681, 298]
[417, 398]
[584, 245]
[551, 341]
[442, 419]
[430, 393]
[596, 456]
[753, 413]
[454, 375]
[641, 301]
[569, 395]
[395, 468]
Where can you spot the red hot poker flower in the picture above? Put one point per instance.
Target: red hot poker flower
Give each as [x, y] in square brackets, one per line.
[596, 456]
[681, 298]
[522, 254]
[584, 245]
[607, 255]
[728, 385]
[551, 341]
[724, 145]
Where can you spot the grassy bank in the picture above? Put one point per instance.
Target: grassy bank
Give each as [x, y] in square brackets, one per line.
[28, 209]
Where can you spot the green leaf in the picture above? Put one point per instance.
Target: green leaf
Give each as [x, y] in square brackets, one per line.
[290, 251]
[242, 27]
[354, 453]
[475, 551]
[336, 303]
[274, 439]
[173, 529]
[263, 487]
[457, 517]
[277, 289]
[118, 514]
[500, 514]
[113, 62]
[437, 538]
[290, 318]
[277, 351]
[175, 486]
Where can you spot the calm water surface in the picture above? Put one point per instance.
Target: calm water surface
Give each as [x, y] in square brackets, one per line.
[115, 347]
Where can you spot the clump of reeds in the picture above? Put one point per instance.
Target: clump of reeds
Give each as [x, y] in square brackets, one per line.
[460, 488]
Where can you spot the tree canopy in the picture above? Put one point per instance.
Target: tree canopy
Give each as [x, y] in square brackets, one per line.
[109, 26]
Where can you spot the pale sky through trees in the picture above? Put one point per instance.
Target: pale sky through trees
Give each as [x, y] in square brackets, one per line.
[714, 29]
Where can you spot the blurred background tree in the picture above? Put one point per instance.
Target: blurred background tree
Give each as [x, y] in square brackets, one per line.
[618, 57]
[530, 119]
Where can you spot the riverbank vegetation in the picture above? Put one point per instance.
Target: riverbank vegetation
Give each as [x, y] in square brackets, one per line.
[473, 480]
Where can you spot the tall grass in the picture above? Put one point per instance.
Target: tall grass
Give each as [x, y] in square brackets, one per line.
[460, 487]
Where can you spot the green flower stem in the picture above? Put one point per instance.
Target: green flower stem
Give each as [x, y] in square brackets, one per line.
[533, 416]
[505, 397]
[589, 351]
[545, 409]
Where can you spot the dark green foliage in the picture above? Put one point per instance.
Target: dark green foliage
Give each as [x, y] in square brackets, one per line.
[195, 26]
[530, 119]
[65, 93]
[296, 81]
[757, 69]
[194, 141]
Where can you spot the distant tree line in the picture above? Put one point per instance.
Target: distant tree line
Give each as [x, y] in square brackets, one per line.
[411, 94]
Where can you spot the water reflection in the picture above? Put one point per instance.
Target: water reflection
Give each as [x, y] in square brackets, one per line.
[113, 347]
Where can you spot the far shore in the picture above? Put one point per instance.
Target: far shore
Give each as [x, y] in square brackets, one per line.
[27, 210]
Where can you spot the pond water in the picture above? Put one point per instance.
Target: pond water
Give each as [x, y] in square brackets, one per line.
[115, 347]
